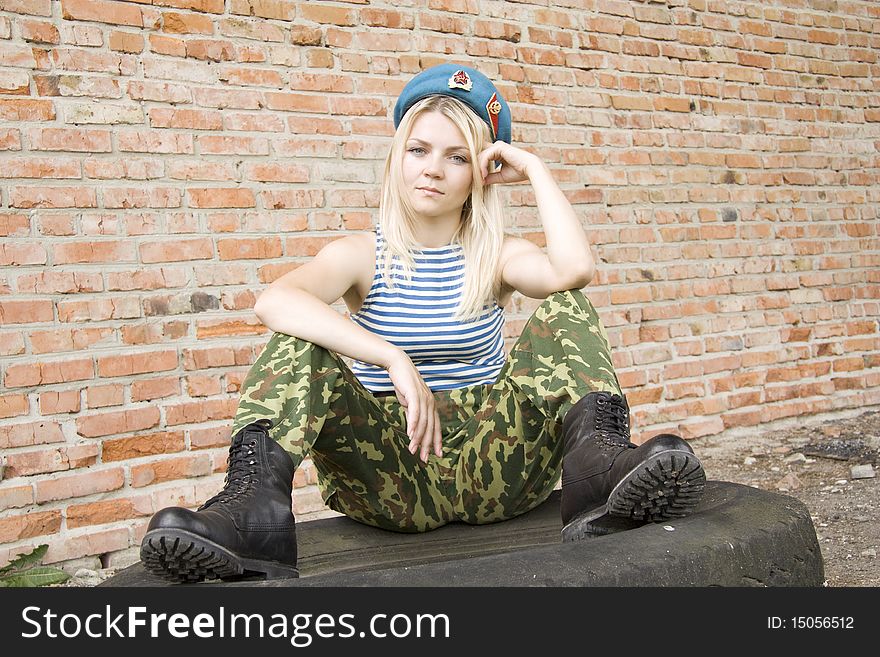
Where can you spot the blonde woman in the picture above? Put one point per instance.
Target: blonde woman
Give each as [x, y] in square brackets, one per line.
[433, 423]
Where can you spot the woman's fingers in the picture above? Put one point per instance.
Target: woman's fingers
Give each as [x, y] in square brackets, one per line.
[427, 438]
[412, 418]
[438, 438]
[422, 421]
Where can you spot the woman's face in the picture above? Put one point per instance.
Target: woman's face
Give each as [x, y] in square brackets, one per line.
[436, 167]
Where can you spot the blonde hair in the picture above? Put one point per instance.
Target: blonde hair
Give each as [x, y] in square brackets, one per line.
[481, 231]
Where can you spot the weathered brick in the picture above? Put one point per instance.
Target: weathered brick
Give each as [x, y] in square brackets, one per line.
[143, 445]
[45, 373]
[148, 389]
[12, 405]
[61, 401]
[16, 496]
[107, 424]
[141, 363]
[170, 469]
[102, 396]
[29, 525]
[107, 511]
[79, 485]
[91, 542]
[202, 411]
[20, 464]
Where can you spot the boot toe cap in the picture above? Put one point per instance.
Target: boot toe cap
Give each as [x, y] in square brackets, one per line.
[176, 517]
[664, 442]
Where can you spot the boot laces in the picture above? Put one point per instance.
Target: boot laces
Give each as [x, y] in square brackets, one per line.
[611, 422]
[241, 473]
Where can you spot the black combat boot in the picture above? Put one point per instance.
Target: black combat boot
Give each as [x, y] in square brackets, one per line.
[246, 529]
[609, 482]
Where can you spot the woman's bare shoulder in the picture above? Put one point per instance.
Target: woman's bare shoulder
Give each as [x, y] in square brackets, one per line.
[513, 244]
[357, 253]
[356, 245]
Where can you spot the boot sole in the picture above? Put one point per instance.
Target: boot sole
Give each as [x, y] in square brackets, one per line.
[667, 485]
[181, 556]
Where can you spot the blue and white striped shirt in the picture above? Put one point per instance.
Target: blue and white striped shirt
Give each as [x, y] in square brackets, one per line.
[417, 315]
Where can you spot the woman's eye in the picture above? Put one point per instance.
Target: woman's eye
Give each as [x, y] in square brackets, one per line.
[460, 159]
[416, 149]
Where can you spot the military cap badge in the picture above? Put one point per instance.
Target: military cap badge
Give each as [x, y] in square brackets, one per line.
[493, 107]
[460, 80]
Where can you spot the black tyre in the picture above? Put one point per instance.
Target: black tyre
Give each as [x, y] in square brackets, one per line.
[736, 536]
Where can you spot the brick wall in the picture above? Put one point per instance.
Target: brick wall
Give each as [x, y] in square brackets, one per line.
[164, 160]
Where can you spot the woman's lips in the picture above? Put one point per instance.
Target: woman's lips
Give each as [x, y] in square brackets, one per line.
[427, 191]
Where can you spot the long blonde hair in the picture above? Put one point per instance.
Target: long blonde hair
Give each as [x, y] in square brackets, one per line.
[481, 231]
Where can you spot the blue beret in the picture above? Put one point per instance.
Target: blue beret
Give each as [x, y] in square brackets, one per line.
[467, 85]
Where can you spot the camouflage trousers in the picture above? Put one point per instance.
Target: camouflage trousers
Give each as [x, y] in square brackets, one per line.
[502, 444]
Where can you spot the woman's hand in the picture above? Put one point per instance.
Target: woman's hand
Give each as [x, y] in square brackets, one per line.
[515, 163]
[422, 421]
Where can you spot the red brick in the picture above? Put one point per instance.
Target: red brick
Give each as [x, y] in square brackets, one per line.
[202, 358]
[67, 339]
[102, 396]
[26, 312]
[22, 254]
[207, 438]
[130, 364]
[99, 252]
[45, 373]
[126, 42]
[63, 401]
[29, 525]
[79, 485]
[92, 542]
[15, 496]
[202, 411]
[690, 429]
[143, 445]
[170, 469]
[107, 511]
[107, 424]
[13, 405]
[153, 333]
[644, 396]
[848, 364]
[148, 389]
[685, 389]
[245, 249]
[60, 282]
[15, 225]
[20, 464]
[102, 11]
[176, 251]
[96, 310]
[202, 385]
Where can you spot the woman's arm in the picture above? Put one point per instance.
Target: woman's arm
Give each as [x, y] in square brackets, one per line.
[568, 262]
[298, 304]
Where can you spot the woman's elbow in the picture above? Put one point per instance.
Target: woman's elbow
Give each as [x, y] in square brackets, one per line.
[263, 306]
[582, 276]
[587, 274]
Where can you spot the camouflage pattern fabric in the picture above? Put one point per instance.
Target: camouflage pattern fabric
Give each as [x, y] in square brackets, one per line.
[502, 444]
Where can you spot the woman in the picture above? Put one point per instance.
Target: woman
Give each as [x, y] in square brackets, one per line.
[432, 423]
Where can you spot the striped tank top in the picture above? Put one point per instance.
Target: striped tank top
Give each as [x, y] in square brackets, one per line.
[417, 315]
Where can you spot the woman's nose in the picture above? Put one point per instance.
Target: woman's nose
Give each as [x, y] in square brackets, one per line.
[434, 167]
